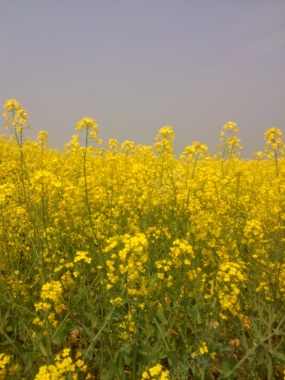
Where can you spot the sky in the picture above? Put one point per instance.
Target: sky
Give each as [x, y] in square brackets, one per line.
[138, 65]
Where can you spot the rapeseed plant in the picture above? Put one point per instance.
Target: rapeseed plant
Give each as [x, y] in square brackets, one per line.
[149, 267]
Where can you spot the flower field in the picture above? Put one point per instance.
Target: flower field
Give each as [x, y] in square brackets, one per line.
[130, 263]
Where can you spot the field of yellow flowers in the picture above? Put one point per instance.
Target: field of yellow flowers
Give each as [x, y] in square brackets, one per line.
[131, 263]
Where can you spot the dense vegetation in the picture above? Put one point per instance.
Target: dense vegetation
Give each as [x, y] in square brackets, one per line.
[130, 263]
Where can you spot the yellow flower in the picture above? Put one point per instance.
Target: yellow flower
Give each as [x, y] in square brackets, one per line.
[156, 370]
[203, 348]
[86, 123]
[82, 256]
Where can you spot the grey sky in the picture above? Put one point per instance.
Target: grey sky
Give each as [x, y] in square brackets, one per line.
[137, 65]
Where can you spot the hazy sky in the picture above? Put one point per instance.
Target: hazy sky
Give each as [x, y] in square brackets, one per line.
[137, 65]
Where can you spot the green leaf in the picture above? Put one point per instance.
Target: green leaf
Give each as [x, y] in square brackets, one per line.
[194, 313]
[257, 333]
[227, 367]
[260, 349]
[279, 356]
[60, 332]
[90, 316]
[172, 357]
[126, 352]
[105, 375]
[88, 332]
[161, 317]
[222, 347]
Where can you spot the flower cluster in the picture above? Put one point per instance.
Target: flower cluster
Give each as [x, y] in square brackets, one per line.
[127, 265]
[156, 373]
[274, 142]
[230, 278]
[15, 115]
[82, 256]
[64, 367]
[52, 292]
